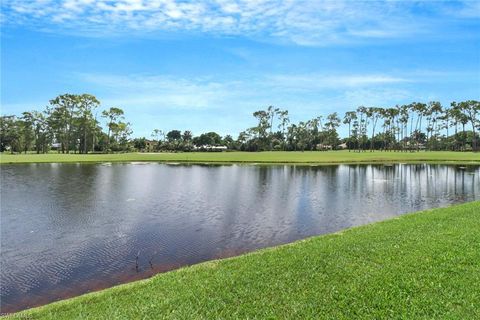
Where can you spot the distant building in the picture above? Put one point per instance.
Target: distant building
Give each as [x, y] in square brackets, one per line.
[150, 145]
[210, 148]
[414, 145]
[324, 147]
[342, 146]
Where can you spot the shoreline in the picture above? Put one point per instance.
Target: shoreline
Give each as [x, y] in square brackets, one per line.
[248, 163]
[416, 244]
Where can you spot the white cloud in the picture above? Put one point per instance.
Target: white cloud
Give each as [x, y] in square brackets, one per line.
[304, 22]
[166, 92]
[158, 91]
[321, 81]
[382, 97]
[467, 9]
[174, 101]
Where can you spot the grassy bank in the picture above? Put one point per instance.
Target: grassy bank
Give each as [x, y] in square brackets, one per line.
[422, 265]
[310, 157]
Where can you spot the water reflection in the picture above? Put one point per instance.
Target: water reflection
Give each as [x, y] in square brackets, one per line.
[69, 228]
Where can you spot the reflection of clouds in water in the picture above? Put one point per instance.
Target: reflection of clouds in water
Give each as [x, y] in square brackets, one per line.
[90, 221]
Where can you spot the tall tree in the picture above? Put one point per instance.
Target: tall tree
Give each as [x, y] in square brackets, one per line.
[284, 121]
[9, 134]
[471, 109]
[349, 117]
[42, 132]
[113, 117]
[333, 122]
[60, 119]
[27, 131]
[404, 119]
[86, 105]
[374, 113]
[421, 110]
[362, 126]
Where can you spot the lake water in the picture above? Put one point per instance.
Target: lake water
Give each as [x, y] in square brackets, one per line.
[67, 229]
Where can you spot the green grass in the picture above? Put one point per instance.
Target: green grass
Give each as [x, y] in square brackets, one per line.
[309, 157]
[424, 265]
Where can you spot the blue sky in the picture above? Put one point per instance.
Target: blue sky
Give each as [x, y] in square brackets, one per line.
[207, 65]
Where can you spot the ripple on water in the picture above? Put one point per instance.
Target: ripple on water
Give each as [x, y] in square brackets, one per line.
[90, 222]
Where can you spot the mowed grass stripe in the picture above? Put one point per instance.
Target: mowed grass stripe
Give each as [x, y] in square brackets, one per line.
[308, 157]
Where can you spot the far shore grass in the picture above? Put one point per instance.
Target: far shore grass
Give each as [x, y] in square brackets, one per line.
[272, 157]
[424, 265]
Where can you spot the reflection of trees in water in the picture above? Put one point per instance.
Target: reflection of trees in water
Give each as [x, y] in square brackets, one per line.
[188, 213]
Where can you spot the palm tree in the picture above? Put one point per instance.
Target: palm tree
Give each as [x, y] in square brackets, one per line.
[284, 121]
[470, 109]
[435, 112]
[112, 115]
[347, 119]
[404, 118]
[362, 129]
[421, 110]
[374, 113]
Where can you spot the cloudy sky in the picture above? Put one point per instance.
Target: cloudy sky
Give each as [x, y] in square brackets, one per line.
[207, 65]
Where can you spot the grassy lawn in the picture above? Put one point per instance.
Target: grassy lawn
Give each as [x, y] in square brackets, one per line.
[254, 157]
[418, 266]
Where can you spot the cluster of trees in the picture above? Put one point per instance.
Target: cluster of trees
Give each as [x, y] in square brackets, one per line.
[275, 132]
[413, 127]
[69, 125]
[175, 140]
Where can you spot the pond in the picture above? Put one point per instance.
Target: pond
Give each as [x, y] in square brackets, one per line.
[68, 229]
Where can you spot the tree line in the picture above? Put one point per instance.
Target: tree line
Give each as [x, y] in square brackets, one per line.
[71, 123]
[412, 127]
